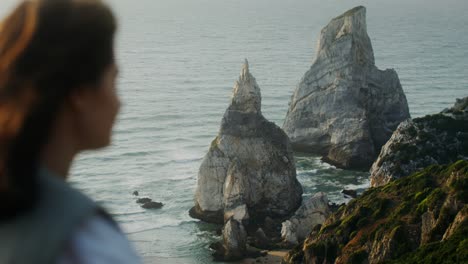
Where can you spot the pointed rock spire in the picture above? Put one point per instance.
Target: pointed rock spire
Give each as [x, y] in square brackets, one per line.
[248, 167]
[351, 29]
[245, 74]
[246, 95]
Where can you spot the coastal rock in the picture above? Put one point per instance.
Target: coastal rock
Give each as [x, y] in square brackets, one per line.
[272, 226]
[240, 214]
[433, 139]
[147, 203]
[152, 205]
[421, 218]
[234, 240]
[261, 240]
[312, 212]
[460, 220]
[428, 222]
[143, 200]
[250, 163]
[349, 193]
[345, 108]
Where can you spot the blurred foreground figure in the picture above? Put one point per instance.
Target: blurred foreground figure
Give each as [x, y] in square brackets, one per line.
[57, 98]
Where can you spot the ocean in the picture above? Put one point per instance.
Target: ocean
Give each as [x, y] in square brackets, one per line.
[179, 60]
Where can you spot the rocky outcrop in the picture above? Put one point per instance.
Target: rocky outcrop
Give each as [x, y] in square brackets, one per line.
[460, 220]
[148, 203]
[434, 139]
[152, 205]
[234, 240]
[349, 193]
[143, 200]
[312, 212]
[345, 108]
[249, 168]
[247, 180]
[421, 218]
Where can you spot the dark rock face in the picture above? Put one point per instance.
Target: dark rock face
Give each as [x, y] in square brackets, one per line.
[261, 240]
[214, 217]
[421, 218]
[434, 139]
[249, 170]
[344, 108]
[349, 193]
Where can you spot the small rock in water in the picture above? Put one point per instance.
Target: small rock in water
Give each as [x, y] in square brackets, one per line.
[152, 205]
[143, 200]
[350, 193]
[135, 193]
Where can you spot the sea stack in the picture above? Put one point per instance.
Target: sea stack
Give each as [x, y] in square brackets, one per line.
[249, 170]
[345, 108]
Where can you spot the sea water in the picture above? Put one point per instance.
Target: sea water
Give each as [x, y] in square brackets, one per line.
[179, 60]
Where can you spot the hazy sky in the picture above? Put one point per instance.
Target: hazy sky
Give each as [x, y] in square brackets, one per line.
[444, 6]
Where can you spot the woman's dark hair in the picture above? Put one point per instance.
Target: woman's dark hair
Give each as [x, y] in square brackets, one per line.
[48, 48]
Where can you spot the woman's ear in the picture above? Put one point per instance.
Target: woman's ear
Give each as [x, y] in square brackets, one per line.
[80, 98]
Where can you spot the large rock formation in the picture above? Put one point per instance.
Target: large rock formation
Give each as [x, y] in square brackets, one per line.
[434, 139]
[249, 171]
[422, 218]
[312, 212]
[345, 108]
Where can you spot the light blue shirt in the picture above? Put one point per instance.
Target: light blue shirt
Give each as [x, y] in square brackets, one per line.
[98, 242]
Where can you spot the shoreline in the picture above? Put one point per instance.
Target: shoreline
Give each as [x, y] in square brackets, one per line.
[272, 257]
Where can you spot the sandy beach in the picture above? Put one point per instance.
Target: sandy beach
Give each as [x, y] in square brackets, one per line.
[274, 256]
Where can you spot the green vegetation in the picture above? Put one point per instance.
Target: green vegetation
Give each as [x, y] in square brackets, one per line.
[390, 216]
[453, 250]
[358, 257]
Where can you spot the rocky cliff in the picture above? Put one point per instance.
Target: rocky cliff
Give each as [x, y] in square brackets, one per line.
[345, 108]
[422, 218]
[249, 170]
[434, 139]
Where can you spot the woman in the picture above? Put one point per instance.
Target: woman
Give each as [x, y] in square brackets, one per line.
[57, 98]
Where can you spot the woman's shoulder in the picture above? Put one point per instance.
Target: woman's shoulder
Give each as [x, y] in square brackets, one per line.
[98, 240]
